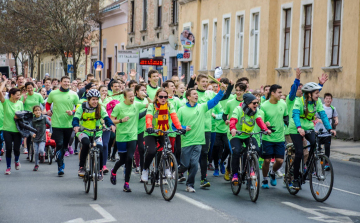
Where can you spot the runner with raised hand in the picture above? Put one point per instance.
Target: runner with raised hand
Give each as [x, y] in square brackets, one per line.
[63, 101]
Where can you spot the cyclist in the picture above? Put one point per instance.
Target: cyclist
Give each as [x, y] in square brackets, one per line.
[63, 101]
[10, 132]
[126, 117]
[89, 115]
[304, 111]
[244, 119]
[157, 117]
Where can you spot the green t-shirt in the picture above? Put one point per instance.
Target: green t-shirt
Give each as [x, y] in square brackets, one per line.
[62, 102]
[119, 97]
[141, 124]
[127, 131]
[263, 99]
[151, 91]
[1, 116]
[305, 123]
[110, 93]
[192, 116]
[151, 111]
[290, 105]
[9, 113]
[257, 129]
[32, 100]
[240, 125]
[274, 113]
[203, 98]
[79, 113]
[104, 102]
[221, 127]
[217, 110]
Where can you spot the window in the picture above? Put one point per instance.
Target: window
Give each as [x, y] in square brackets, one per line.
[175, 11]
[213, 63]
[287, 37]
[226, 43]
[144, 14]
[239, 37]
[159, 13]
[132, 24]
[204, 46]
[336, 33]
[254, 38]
[115, 61]
[307, 35]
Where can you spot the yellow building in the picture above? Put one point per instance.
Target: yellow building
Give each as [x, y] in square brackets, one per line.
[265, 40]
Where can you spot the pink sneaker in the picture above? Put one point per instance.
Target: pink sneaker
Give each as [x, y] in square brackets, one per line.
[0, 158]
[66, 153]
[17, 165]
[8, 171]
[105, 170]
[71, 151]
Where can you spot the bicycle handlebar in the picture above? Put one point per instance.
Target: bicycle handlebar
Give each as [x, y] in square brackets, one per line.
[82, 128]
[167, 132]
[251, 133]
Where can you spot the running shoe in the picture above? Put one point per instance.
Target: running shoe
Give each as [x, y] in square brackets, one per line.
[145, 175]
[227, 175]
[61, 169]
[279, 174]
[25, 151]
[1, 152]
[113, 178]
[204, 183]
[100, 176]
[216, 173]
[137, 170]
[81, 172]
[327, 167]
[222, 167]
[76, 152]
[296, 185]
[8, 171]
[127, 187]
[168, 173]
[17, 165]
[181, 177]
[71, 151]
[157, 183]
[66, 153]
[190, 189]
[265, 184]
[235, 179]
[211, 167]
[112, 159]
[36, 168]
[273, 181]
[27, 158]
[105, 169]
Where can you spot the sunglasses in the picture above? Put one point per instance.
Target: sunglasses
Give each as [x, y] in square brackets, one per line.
[255, 103]
[163, 97]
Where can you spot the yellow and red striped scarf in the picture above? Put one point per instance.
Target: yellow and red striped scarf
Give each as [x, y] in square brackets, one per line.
[162, 120]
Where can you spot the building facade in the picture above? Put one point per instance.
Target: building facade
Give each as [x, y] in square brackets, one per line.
[265, 40]
[153, 32]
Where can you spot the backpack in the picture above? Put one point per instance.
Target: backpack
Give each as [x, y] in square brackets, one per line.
[110, 106]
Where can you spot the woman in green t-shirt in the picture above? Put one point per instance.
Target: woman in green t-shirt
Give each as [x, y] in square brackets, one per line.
[11, 134]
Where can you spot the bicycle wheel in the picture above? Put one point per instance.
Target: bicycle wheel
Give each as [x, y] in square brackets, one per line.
[150, 185]
[31, 152]
[95, 173]
[235, 188]
[169, 176]
[289, 175]
[321, 181]
[253, 175]
[48, 150]
[86, 180]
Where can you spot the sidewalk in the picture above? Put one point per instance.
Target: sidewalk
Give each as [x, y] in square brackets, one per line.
[345, 150]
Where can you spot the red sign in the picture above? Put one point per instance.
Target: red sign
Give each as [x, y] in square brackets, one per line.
[154, 62]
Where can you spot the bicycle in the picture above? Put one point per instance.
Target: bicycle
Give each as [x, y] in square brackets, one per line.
[168, 170]
[92, 164]
[315, 171]
[50, 153]
[250, 173]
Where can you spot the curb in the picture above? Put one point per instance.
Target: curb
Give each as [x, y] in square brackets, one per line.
[352, 159]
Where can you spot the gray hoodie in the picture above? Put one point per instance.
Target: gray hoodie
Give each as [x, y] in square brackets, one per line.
[40, 125]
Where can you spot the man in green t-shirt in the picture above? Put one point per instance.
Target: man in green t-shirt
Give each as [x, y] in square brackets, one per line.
[276, 113]
[63, 101]
[152, 87]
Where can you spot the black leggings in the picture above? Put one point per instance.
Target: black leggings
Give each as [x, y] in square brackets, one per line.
[204, 155]
[239, 150]
[125, 157]
[221, 149]
[298, 144]
[151, 148]
[178, 148]
[326, 141]
[10, 138]
[111, 141]
[141, 149]
[62, 138]
[85, 151]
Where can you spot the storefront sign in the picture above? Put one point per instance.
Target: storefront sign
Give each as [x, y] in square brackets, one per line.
[184, 56]
[154, 62]
[159, 51]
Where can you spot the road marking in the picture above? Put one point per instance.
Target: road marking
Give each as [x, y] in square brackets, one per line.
[323, 217]
[342, 211]
[107, 217]
[194, 202]
[345, 191]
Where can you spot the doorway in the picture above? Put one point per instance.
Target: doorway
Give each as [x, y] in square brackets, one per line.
[109, 65]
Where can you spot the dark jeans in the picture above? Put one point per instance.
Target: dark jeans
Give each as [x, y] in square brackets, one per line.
[61, 137]
[240, 151]
[141, 149]
[10, 138]
[298, 144]
[105, 139]
[178, 148]
[326, 141]
[111, 141]
[221, 149]
[125, 157]
[212, 142]
[151, 148]
[204, 155]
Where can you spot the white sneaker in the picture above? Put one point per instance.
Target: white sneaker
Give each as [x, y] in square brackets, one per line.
[168, 173]
[145, 175]
[190, 189]
[157, 183]
[165, 182]
[25, 151]
[279, 174]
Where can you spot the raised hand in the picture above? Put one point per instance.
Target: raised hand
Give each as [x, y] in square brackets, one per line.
[324, 77]
[298, 72]
[182, 77]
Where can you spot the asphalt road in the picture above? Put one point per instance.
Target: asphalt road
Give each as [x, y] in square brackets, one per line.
[42, 196]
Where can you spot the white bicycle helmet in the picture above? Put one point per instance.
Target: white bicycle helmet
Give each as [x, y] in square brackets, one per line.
[93, 93]
[310, 87]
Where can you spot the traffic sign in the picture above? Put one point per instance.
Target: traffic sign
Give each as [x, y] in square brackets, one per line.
[98, 63]
[70, 69]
